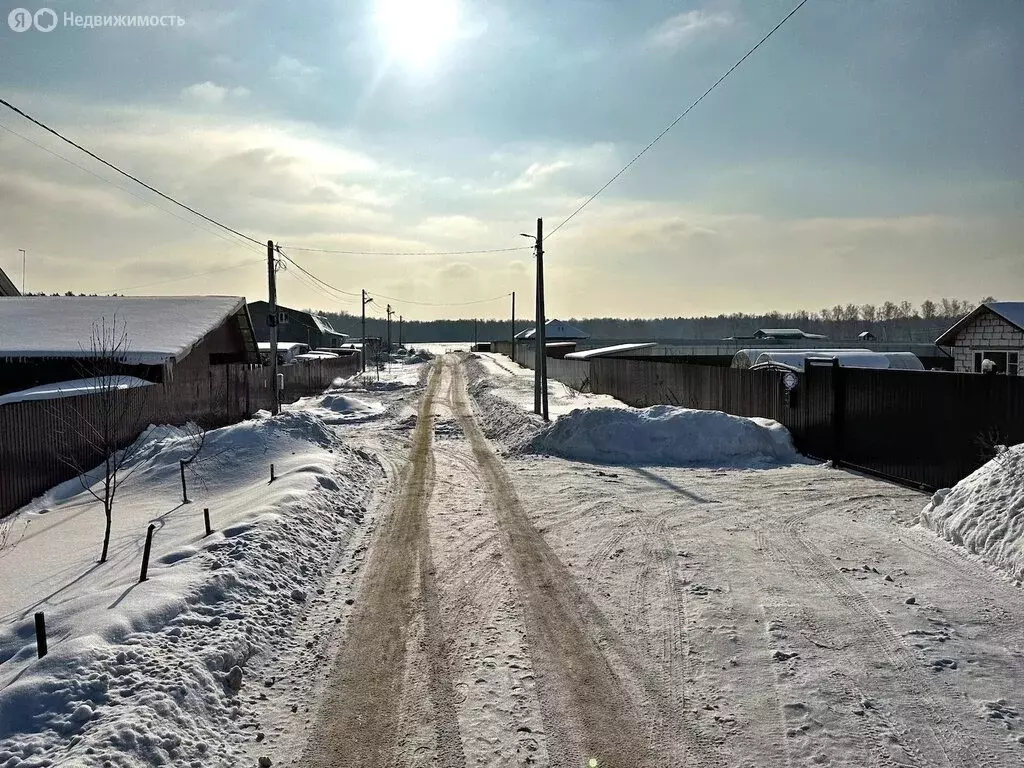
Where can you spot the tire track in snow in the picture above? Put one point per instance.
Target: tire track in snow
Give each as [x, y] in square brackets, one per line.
[951, 743]
[359, 716]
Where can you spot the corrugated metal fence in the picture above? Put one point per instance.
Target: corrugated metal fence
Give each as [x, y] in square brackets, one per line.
[41, 440]
[922, 428]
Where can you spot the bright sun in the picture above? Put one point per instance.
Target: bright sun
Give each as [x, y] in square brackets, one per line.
[417, 31]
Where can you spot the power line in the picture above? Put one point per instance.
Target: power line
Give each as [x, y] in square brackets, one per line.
[679, 117]
[442, 304]
[197, 225]
[410, 253]
[381, 295]
[137, 180]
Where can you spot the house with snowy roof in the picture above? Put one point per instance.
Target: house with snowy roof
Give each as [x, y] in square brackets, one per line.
[992, 332]
[7, 288]
[555, 330]
[296, 325]
[49, 339]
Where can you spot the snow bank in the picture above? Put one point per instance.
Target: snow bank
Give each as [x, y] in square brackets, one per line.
[984, 512]
[665, 434]
[346, 408]
[146, 674]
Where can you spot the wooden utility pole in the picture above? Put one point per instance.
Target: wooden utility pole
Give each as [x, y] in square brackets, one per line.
[400, 331]
[362, 352]
[390, 313]
[536, 329]
[476, 335]
[272, 318]
[542, 364]
[512, 353]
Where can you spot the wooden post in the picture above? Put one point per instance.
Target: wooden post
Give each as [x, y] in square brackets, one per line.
[206, 519]
[272, 473]
[512, 352]
[184, 490]
[145, 553]
[41, 649]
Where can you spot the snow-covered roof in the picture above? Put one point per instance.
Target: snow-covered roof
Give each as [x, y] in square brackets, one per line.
[788, 333]
[282, 346]
[7, 288]
[848, 358]
[324, 326]
[555, 329]
[160, 329]
[745, 358]
[316, 356]
[617, 349]
[73, 388]
[1011, 311]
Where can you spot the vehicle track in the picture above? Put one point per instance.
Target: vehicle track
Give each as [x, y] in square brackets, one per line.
[359, 717]
[589, 712]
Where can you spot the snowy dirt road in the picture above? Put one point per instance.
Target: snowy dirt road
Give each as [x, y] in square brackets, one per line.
[537, 611]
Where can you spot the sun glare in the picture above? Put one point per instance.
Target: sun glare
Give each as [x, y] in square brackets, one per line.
[416, 32]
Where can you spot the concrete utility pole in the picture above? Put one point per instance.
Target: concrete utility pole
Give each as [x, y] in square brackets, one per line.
[23, 260]
[542, 363]
[272, 321]
[362, 352]
[512, 354]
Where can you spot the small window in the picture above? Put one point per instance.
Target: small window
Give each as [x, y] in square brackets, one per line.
[1006, 363]
[1012, 369]
[978, 357]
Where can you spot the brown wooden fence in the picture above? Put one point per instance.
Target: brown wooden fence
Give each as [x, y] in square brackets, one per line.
[37, 438]
[922, 428]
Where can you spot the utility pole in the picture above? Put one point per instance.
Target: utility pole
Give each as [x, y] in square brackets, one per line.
[23, 259]
[512, 354]
[390, 313]
[542, 364]
[362, 352]
[476, 335]
[272, 321]
[400, 331]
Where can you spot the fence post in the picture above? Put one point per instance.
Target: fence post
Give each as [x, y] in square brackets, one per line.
[184, 490]
[41, 649]
[145, 553]
[206, 519]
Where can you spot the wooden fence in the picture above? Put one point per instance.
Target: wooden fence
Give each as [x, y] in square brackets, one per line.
[40, 440]
[926, 429]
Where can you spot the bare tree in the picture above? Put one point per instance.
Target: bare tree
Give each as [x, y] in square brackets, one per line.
[928, 309]
[890, 311]
[103, 422]
[851, 313]
[869, 312]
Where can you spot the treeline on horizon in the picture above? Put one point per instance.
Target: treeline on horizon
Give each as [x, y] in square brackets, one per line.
[889, 321]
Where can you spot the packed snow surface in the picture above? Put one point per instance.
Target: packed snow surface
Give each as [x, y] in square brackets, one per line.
[73, 388]
[665, 434]
[984, 512]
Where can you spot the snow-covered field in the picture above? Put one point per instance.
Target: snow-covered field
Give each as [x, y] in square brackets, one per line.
[643, 587]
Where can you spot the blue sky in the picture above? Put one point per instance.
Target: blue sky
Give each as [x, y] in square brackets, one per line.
[870, 151]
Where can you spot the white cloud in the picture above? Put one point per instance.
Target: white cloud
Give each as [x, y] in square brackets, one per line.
[678, 31]
[291, 71]
[211, 94]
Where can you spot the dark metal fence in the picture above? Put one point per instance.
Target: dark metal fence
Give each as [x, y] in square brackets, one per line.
[41, 439]
[921, 428]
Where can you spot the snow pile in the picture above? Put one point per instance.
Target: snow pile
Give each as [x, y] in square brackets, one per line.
[350, 409]
[984, 512]
[665, 434]
[147, 674]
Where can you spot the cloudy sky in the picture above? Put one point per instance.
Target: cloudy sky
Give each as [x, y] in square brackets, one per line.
[871, 150]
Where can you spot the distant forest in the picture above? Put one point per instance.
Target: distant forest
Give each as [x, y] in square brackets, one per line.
[888, 321]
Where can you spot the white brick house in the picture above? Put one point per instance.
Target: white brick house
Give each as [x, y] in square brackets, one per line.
[993, 331]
